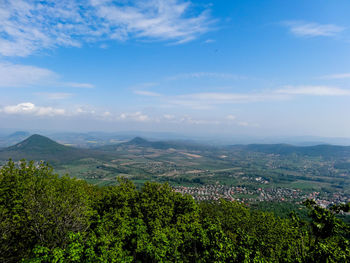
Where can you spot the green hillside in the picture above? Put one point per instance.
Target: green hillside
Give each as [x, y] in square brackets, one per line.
[38, 147]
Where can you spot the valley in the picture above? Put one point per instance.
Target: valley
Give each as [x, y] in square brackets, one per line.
[247, 173]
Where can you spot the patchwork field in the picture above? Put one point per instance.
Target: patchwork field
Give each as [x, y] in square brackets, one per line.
[266, 172]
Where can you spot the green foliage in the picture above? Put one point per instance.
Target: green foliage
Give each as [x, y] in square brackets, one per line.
[331, 242]
[38, 208]
[46, 218]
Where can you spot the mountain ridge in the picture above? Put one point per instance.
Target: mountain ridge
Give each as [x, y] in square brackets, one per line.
[160, 145]
[325, 150]
[38, 147]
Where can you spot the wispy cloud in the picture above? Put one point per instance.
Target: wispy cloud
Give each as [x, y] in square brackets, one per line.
[311, 29]
[55, 95]
[79, 85]
[17, 76]
[199, 75]
[314, 90]
[29, 26]
[147, 93]
[194, 121]
[144, 85]
[207, 100]
[337, 76]
[209, 41]
[157, 19]
[13, 75]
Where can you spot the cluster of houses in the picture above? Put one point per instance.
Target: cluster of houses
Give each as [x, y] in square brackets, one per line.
[243, 194]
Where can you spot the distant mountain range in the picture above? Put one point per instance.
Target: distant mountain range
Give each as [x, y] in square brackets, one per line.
[97, 139]
[324, 150]
[19, 134]
[160, 145]
[13, 138]
[38, 147]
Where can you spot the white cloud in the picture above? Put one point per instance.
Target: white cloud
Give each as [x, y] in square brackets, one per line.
[155, 19]
[29, 26]
[147, 93]
[17, 75]
[190, 120]
[30, 108]
[309, 29]
[337, 76]
[135, 116]
[314, 90]
[85, 110]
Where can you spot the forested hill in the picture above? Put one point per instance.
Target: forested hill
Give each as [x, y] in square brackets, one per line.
[161, 145]
[38, 147]
[47, 218]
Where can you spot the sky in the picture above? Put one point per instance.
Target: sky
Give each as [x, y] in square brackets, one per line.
[248, 67]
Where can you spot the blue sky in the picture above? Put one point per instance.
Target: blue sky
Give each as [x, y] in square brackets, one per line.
[257, 68]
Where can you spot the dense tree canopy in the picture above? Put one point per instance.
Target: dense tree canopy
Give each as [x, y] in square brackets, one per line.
[46, 218]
